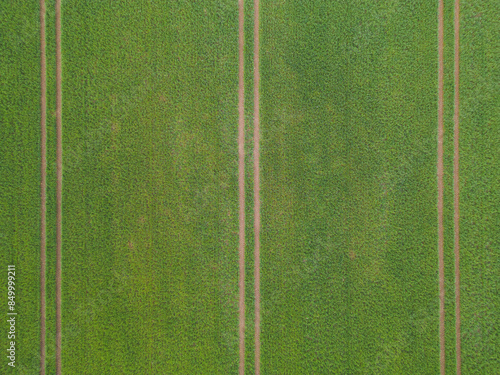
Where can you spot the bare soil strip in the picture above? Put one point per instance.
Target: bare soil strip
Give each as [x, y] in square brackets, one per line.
[440, 181]
[241, 183]
[257, 184]
[456, 188]
[58, 185]
[43, 183]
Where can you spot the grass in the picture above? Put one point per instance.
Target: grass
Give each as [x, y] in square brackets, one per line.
[479, 177]
[349, 263]
[20, 176]
[150, 188]
[349, 122]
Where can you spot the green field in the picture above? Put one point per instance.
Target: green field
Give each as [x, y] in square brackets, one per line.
[20, 179]
[150, 188]
[349, 259]
[479, 181]
[349, 111]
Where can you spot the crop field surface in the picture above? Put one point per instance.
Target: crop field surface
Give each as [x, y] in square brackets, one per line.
[250, 187]
[349, 194]
[20, 181]
[150, 187]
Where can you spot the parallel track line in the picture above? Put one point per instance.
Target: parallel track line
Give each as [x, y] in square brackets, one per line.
[456, 189]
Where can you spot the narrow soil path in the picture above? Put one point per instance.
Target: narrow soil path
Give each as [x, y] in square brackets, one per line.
[456, 189]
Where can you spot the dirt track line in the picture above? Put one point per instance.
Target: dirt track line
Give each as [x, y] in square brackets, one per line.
[58, 185]
[43, 184]
[241, 183]
[257, 184]
[440, 182]
[456, 190]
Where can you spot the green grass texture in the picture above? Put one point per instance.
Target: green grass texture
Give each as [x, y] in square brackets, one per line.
[20, 179]
[349, 243]
[150, 187]
[479, 182]
[348, 153]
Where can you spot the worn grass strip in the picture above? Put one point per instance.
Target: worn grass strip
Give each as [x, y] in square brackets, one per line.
[249, 191]
[43, 184]
[241, 182]
[440, 183]
[58, 187]
[257, 185]
[456, 187]
[448, 187]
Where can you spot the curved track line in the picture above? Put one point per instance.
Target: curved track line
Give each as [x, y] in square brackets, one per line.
[58, 186]
[456, 188]
[440, 182]
[43, 184]
[257, 184]
[241, 183]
